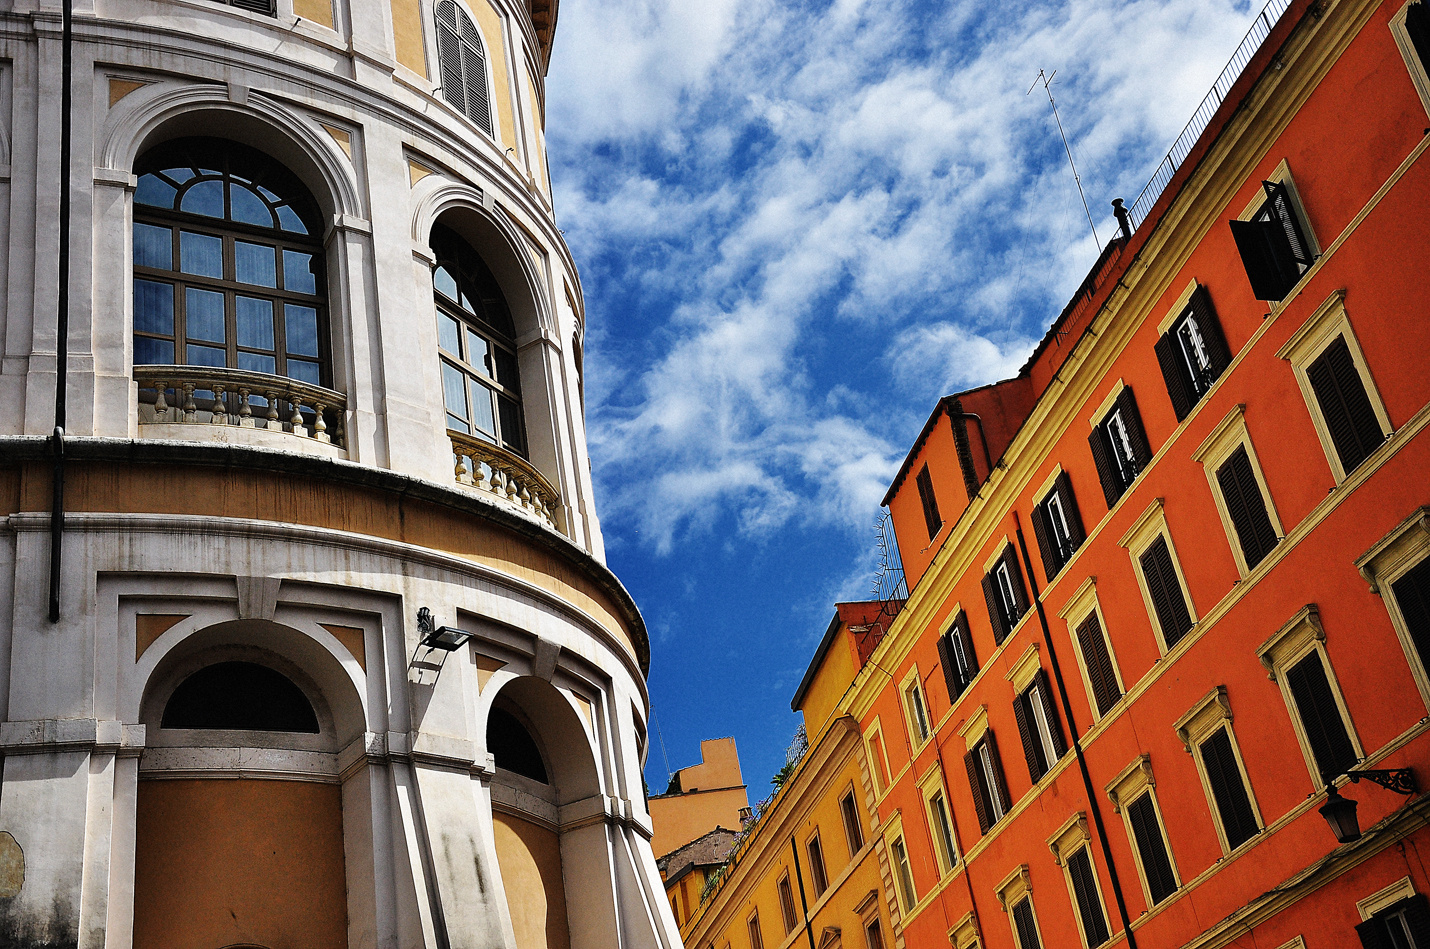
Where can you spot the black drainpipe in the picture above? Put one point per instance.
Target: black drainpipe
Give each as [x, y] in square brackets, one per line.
[804, 904]
[982, 436]
[1077, 745]
[62, 318]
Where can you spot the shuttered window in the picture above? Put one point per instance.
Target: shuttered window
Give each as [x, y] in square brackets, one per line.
[985, 780]
[1058, 526]
[1273, 245]
[1119, 446]
[903, 875]
[942, 830]
[1320, 716]
[264, 7]
[1024, 926]
[1247, 508]
[1098, 662]
[1007, 597]
[930, 502]
[1173, 617]
[1192, 353]
[1089, 904]
[1401, 925]
[1355, 431]
[1151, 848]
[955, 655]
[463, 65]
[1233, 806]
[1412, 594]
[1038, 727]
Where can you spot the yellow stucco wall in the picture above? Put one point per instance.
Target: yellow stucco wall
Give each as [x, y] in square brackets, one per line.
[530, 861]
[411, 51]
[489, 22]
[835, 673]
[316, 11]
[679, 819]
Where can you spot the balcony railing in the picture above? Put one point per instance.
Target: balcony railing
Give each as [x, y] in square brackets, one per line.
[503, 476]
[202, 395]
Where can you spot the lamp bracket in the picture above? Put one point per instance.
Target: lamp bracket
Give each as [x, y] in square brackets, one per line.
[1399, 780]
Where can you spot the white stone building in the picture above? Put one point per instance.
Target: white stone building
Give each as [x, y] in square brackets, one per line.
[323, 372]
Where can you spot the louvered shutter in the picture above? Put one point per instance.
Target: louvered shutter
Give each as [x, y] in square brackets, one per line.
[995, 608]
[1320, 716]
[1174, 373]
[1026, 926]
[257, 6]
[1373, 935]
[1112, 486]
[1228, 790]
[1269, 263]
[981, 792]
[449, 56]
[1000, 787]
[1052, 557]
[950, 666]
[1141, 448]
[1020, 589]
[930, 502]
[1355, 431]
[1204, 314]
[1050, 713]
[1099, 664]
[1278, 201]
[1417, 919]
[1412, 594]
[1156, 866]
[1167, 600]
[965, 638]
[1417, 24]
[1027, 732]
[1076, 535]
[1089, 907]
[1242, 494]
[474, 76]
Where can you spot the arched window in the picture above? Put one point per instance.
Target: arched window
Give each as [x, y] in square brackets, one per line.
[513, 747]
[463, 65]
[227, 263]
[477, 338]
[240, 695]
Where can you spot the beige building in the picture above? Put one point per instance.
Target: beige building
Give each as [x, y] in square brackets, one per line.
[334, 658]
[700, 798]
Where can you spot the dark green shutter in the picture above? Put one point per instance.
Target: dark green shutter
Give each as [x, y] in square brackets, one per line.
[1050, 713]
[1278, 203]
[1175, 372]
[1156, 865]
[1076, 535]
[1000, 787]
[1027, 731]
[1089, 907]
[1099, 664]
[995, 607]
[1373, 935]
[1242, 494]
[1417, 919]
[1141, 448]
[950, 666]
[965, 635]
[1412, 593]
[1167, 600]
[1020, 590]
[1112, 486]
[1269, 263]
[932, 520]
[1320, 716]
[982, 794]
[1355, 431]
[1027, 928]
[1047, 546]
[1204, 314]
[1228, 790]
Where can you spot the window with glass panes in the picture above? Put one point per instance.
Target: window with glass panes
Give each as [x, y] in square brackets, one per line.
[227, 263]
[478, 348]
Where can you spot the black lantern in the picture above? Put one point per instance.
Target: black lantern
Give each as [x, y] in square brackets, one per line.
[445, 638]
[1340, 813]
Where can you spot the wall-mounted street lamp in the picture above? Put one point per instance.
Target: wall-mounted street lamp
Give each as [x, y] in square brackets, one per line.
[445, 638]
[1340, 812]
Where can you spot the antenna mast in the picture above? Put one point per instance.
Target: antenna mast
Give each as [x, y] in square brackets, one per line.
[1047, 82]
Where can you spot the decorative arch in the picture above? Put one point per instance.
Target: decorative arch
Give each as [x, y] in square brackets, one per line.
[147, 118]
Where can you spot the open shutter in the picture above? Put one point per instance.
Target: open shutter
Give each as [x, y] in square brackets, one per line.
[1417, 919]
[1050, 712]
[1412, 594]
[980, 792]
[995, 608]
[1167, 600]
[1320, 716]
[1228, 790]
[1076, 535]
[1106, 469]
[1242, 495]
[1417, 24]
[1141, 449]
[1099, 664]
[965, 635]
[1355, 431]
[1269, 263]
[1052, 557]
[1278, 201]
[1026, 731]
[950, 666]
[1020, 589]
[1206, 319]
[1174, 373]
[1000, 784]
[1373, 935]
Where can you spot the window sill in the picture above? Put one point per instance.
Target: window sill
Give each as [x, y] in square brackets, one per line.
[505, 476]
[235, 435]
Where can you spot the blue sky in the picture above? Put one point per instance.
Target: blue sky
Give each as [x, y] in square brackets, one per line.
[798, 224]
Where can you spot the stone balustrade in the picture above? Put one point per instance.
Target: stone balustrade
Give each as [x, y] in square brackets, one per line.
[504, 476]
[203, 395]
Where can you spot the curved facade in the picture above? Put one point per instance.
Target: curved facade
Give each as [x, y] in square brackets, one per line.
[323, 374]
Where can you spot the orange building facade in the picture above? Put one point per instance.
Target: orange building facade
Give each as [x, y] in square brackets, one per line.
[1172, 583]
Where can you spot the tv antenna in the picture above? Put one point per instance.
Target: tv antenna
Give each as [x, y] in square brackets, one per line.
[1047, 82]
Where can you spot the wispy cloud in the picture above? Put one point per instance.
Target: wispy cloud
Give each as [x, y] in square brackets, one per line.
[801, 223]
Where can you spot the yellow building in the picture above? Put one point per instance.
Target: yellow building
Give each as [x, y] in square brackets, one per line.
[807, 872]
[700, 798]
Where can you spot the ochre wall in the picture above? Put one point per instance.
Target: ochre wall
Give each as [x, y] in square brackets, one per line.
[407, 35]
[223, 862]
[680, 818]
[530, 861]
[835, 672]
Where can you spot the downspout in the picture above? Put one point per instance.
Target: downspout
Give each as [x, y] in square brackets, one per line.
[1077, 745]
[804, 904]
[62, 318]
[982, 436]
[958, 841]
